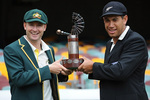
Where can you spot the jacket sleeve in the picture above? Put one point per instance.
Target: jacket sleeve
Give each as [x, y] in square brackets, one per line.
[133, 55]
[18, 74]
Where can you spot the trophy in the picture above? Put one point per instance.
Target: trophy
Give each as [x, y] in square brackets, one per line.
[73, 47]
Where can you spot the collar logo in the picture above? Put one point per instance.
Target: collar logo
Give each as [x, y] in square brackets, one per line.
[37, 15]
[107, 9]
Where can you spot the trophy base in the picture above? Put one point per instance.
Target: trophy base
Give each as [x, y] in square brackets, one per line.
[72, 64]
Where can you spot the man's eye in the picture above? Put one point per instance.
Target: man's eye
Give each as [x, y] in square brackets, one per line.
[106, 20]
[115, 19]
[39, 25]
[31, 24]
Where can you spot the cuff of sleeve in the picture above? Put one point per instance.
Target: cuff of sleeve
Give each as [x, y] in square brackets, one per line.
[91, 75]
[44, 74]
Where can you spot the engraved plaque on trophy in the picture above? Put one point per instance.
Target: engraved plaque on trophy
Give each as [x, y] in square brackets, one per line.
[73, 62]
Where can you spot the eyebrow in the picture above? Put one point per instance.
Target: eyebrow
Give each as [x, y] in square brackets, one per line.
[112, 17]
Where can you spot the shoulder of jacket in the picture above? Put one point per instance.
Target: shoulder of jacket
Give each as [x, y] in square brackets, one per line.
[12, 45]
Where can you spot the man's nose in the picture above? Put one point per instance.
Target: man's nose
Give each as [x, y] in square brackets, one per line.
[111, 24]
[34, 28]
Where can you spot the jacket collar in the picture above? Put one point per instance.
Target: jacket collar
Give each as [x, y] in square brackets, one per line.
[43, 44]
[26, 48]
[121, 37]
[117, 46]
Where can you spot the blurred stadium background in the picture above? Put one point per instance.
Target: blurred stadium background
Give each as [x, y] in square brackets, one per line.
[77, 80]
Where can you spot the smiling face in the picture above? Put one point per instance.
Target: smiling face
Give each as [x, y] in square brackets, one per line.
[115, 25]
[34, 31]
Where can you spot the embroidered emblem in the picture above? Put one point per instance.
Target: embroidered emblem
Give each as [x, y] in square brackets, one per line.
[37, 15]
[107, 9]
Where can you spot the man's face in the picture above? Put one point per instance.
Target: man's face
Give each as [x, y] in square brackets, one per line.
[34, 30]
[115, 25]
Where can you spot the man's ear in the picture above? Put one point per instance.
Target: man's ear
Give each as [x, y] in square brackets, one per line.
[125, 19]
[24, 25]
[45, 26]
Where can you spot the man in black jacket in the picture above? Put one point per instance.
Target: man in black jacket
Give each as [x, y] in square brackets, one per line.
[122, 74]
